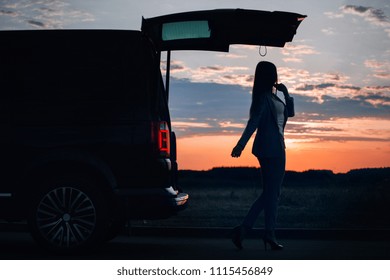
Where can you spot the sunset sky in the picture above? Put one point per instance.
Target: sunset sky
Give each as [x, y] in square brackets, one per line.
[337, 68]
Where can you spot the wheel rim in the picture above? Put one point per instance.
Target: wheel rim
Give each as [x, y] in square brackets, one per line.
[66, 217]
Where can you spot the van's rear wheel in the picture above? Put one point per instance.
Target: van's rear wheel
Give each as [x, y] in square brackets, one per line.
[68, 215]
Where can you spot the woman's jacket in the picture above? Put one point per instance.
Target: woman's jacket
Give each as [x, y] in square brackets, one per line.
[268, 141]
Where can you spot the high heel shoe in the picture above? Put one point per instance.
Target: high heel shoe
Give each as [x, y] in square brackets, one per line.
[273, 244]
[238, 236]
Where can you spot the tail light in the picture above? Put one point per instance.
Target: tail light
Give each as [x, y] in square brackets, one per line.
[161, 138]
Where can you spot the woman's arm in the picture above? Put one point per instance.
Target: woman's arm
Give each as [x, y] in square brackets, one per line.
[289, 100]
[250, 128]
[290, 106]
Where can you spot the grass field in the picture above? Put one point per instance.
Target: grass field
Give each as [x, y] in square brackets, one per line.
[359, 199]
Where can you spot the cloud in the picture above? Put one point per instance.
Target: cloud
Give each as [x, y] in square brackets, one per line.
[333, 15]
[375, 17]
[310, 128]
[301, 81]
[380, 69]
[229, 124]
[230, 75]
[175, 67]
[220, 109]
[318, 91]
[297, 80]
[328, 31]
[366, 102]
[377, 96]
[339, 129]
[190, 124]
[295, 53]
[315, 85]
[298, 50]
[7, 12]
[244, 47]
[208, 108]
[318, 85]
[48, 14]
[35, 23]
[231, 56]
[372, 15]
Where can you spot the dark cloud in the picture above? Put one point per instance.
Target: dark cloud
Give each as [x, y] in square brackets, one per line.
[325, 85]
[47, 10]
[359, 9]
[229, 77]
[8, 13]
[250, 78]
[177, 67]
[370, 12]
[174, 66]
[235, 77]
[35, 23]
[313, 87]
[325, 133]
[350, 87]
[378, 97]
[308, 87]
[338, 138]
[344, 107]
[374, 16]
[379, 88]
[213, 68]
[301, 128]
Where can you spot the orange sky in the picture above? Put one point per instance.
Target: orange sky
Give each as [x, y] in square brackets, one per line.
[206, 152]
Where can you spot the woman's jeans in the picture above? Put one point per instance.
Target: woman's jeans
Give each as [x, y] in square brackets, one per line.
[272, 170]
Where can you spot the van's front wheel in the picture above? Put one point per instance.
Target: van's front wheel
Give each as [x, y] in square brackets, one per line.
[68, 215]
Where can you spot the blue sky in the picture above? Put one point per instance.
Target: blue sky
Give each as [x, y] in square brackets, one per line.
[337, 67]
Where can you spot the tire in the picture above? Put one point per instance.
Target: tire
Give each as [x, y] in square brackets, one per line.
[69, 215]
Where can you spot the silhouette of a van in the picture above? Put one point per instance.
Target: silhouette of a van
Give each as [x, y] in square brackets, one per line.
[86, 139]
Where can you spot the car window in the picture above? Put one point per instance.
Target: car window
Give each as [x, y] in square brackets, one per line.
[185, 30]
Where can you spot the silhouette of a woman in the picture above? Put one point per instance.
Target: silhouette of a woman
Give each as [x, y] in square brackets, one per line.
[268, 115]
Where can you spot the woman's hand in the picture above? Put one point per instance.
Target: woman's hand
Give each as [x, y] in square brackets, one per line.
[282, 88]
[237, 150]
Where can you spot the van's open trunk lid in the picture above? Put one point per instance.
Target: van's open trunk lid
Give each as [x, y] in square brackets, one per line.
[215, 30]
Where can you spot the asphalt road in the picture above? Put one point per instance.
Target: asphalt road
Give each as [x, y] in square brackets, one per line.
[209, 245]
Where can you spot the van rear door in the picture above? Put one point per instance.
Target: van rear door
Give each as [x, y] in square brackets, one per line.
[215, 30]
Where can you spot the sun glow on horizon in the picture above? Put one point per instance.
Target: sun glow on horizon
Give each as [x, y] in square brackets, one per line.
[337, 144]
[206, 152]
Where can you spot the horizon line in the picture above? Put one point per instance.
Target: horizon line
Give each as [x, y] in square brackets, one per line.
[254, 167]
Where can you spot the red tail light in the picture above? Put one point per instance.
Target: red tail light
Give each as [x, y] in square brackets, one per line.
[161, 132]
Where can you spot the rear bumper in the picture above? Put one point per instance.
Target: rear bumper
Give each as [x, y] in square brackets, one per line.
[151, 203]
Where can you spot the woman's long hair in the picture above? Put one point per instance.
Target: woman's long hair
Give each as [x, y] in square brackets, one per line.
[266, 77]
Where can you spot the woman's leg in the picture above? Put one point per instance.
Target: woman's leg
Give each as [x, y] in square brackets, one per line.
[256, 208]
[273, 170]
[254, 212]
